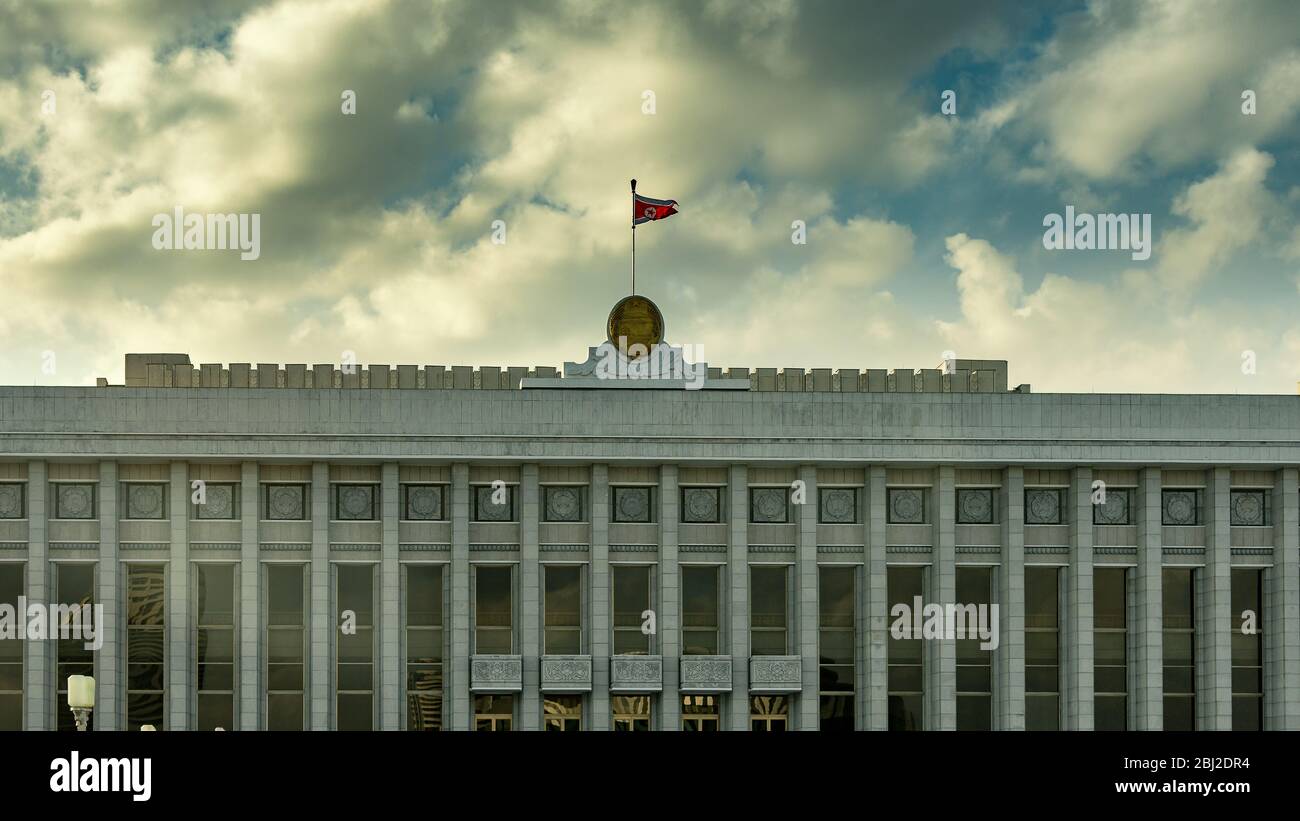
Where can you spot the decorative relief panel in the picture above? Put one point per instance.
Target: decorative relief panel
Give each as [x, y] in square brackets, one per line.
[639, 673]
[706, 674]
[486, 509]
[1043, 506]
[1179, 507]
[701, 504]
[354, 502]
[145, 501]
[1116, 510]
[769, 505]
[775, 673]
[563, 503]
[975, 506]
[286, 502]
[74, 501]
[423, 502]
[839, 505]
[632, 504]
[906, 506]
[1249, 508]
[11, 501]
[567, 673]
[496, 673]
[218, 502]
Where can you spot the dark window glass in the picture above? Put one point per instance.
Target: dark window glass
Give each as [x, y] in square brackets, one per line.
[631, 598]
[906, 671]
[1042, 649]
[1247, 649]
[493, 610]
[494, 713]
[563, 603]
[837, 639]
[769, 714]
[700, 610]
[562, 713]
[355, 670]
[1179, 635]
[12, 584]
[424, 653]
[768, 609]
[701, 713]
[75, 584]
[974, 664]
[630, 713]
[146, 604]
[214, 645]
[286, 646]
[1110, 648]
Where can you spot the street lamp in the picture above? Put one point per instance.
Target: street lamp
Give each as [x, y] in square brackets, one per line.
[81, 699]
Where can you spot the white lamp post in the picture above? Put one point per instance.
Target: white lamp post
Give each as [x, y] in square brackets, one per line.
[81, 699]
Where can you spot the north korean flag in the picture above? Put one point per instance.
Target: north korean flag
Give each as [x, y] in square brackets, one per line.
[647, 209]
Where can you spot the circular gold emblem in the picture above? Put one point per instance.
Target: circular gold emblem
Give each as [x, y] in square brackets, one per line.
[635, 320]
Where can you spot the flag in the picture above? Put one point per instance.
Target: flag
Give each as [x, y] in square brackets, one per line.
[647, 209]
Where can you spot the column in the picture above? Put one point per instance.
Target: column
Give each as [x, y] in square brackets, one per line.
[322, 618]
[250, 603]
[874, 640]
[738, 571]
[669, 615]
[808, 706]
[941, 654]
[530, 604]
[390, 603]
[462, 706]
[1282, 606]
[108, 672]
[1146, 672]
[1077, 672]
[1214, 617]
[1009, 658]
[178, 596]
[599, 598]
[39, 685]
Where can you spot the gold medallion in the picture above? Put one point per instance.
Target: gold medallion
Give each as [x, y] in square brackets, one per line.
[635, 320]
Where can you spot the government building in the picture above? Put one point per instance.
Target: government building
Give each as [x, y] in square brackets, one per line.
[489, 548]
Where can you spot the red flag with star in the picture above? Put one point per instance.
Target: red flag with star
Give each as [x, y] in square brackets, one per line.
[648, 209]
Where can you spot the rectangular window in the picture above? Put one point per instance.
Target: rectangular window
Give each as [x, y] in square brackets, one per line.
[1179, 634]
[837, 643]
[632, 504]
[424, 646]
[906, 506]
[144, 500]
[630, 713]
[769, 714]
[75, 586]
[701, 615]
[562, 713]
[146, 641]
[563, 503]
[1116, 510]
[354, 502]
[974, 664]
[494, 504]
[214, 645]
[976, 506]
[837, 505]
[701, 505]
[494, 713]
[12, 584]
[631, 599]
[354, 673]
[494, 609]
[1042, 649]
[700, 713]
[1110, 643]
[284, 502]
[1181, 507]
[1247, 650]
[1044, 506]
[906, 660]
[768, 610]
[217, 501]
[1250, 508]
[286, 645]
[73, 500]
[13, 500]
[423, 503]
[562, 622]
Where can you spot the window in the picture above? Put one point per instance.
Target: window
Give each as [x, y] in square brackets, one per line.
[631, 599]
[11, 650]
[75, 586]
[146, 602]
[702, 505]
[144, 500]
[768, 606]
[214, 645]
[630, 713]
[975, 506]
[1042, 649]
[562, 713]
[906, 661]
[837, 505]
[493, 609]
[1117, 509]
[700, 610]
[769, 714]
[562, 627]
[422, 503]
[355, 502]
[354, 594]
[1250, 508]
[1247, 650]
[13, 500]
[700, 713]
[1044, 506]
[494, 504]
[1181, 507]
[73, 501]
[424, 646]
[837, 642]
[769, 505]
[494, 713]
[1110, 647]
[1179, 632]
[563, 503]
[286, 638]
[633, 504]
[906, 506]
[974, 586]
[284, 502]
[218, 501]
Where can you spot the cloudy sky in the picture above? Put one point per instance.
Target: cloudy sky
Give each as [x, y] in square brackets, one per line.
[924, 230]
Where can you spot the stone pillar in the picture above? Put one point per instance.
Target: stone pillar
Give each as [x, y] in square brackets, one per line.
[249, 691]
[874, 687]
[178, 596]
[669, 607]
[390, 602]
[530, 605]
[1146, 672]
[600, 615]
[1213, 608]
[38, 664]
[941, 654]
[806, 607]
[738, 571]
[1009, 658]
[322, 618]
[1077, 663]
[1282, 609]
[109, 678]
[462, 704]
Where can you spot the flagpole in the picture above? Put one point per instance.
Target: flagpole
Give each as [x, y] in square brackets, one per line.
[633, 236]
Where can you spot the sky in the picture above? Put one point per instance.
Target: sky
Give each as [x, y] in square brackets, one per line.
[924, 222]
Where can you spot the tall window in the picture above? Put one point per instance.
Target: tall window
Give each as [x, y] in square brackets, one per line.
[631, 599]
[562, 713]
[974, 664]
[1042, 649]
[769, 714]
[214, 645]
[493, 609]
[75, 584]
[700, 611]
[1179, 633]
[1110, 642]
[355, 671]
[562, 628]
[1247, 650]
[11, 651]
[494, 713]
[630, 713]
[424, 647]
[146, 635]
[700, 713]
[768, 608]
[836, 643]
[906, 668]
[286, 639]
